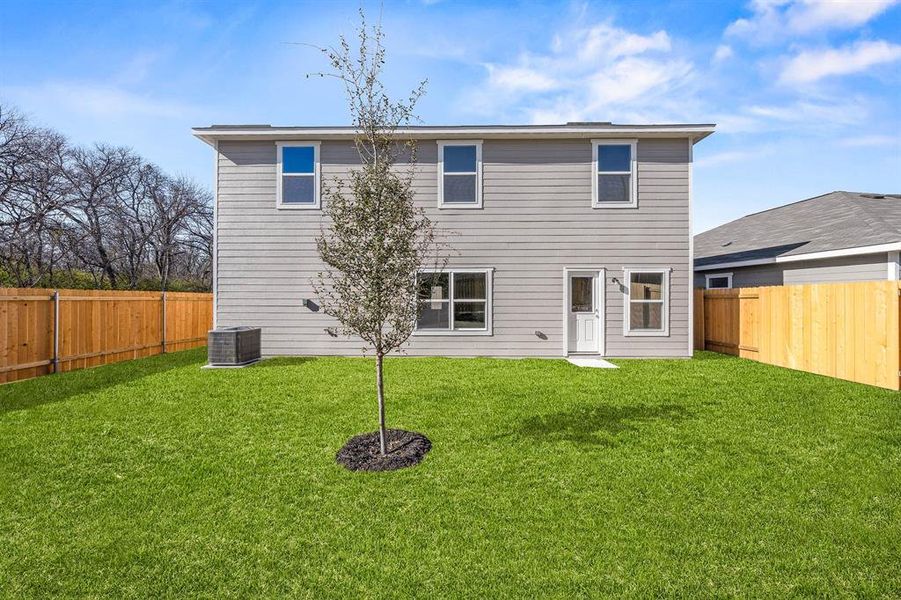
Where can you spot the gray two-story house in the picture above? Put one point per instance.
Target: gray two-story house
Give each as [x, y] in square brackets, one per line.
[566, 239]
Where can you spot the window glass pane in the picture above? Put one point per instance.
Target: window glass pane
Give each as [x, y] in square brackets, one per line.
[433, 286]
[469, 315]
[298, 159]
[459, 159]
[460, 189]
[718, 282]
[298, 189]
[581, 294]
[469, 286]
[613, 188]
[614, 158]
[646, 315]
[646, 286]
[433, 315]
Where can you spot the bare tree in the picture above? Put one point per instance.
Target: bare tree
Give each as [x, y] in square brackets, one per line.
[133, 221]
[100, 212]
[174, 206]
[378, 239]
[97, 177]
[32, 189]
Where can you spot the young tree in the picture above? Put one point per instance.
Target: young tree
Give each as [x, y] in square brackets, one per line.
[377, 238]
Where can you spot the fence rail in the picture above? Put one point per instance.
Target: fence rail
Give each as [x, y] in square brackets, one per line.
[44, 331]
[846, 330]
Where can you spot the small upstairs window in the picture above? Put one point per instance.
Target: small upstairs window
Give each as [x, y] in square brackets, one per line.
[460, 174]
[614, 183]
[298, 175]
[719, 281]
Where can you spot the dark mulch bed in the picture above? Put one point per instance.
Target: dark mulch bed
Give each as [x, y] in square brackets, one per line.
[405, 449]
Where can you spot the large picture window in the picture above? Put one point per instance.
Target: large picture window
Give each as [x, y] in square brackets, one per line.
[614, 182]
[460, 174]
[298, 175]
[647, 302]
[454, 301]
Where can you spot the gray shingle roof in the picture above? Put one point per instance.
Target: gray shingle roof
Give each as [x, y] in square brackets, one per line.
[832, 221]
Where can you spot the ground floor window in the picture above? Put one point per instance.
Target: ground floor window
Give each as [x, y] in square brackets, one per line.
[647, 302]
[454, 301]
[719, 281]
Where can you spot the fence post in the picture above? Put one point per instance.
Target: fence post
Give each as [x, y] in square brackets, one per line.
[56, 331]
[164, 324]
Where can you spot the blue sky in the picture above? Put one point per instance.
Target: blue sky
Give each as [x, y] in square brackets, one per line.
[806, 95]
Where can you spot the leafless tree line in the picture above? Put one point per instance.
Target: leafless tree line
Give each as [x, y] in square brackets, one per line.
[98, 216]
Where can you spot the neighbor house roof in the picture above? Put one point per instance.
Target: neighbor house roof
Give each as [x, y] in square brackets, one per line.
[578, 129]
[834, 224]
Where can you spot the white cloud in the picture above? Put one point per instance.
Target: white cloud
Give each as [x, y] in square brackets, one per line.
[807, 117]
[601, 72]
[732, 156]
[813, 65]
[871, 140]
[604, 42]
[815, 15]
[723, 53]
[817, 114]
[516, 79]
[777, 19]
[138, 67]
[97, 101]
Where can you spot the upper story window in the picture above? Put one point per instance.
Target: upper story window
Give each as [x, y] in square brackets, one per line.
[454, 301]
[647, 302]
[614, 183]
[719, 281]
[460, 174]
[298, 175]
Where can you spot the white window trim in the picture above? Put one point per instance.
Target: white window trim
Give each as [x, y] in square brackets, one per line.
[489, 303]
[894, 265]
[633, 179]
[627, 302]
[317, 200]
[478, 173]
[709, 276]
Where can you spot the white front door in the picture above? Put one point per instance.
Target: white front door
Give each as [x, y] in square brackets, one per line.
[583, 311]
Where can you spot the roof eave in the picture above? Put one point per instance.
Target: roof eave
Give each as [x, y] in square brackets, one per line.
[787, 258]
[696, 132]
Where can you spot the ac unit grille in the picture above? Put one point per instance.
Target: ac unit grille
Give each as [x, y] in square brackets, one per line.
[232, 346]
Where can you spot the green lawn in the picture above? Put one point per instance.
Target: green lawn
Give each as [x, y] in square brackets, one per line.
[715, 476]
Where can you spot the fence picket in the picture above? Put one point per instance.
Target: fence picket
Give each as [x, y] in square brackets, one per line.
[847, 330]
[95, 327]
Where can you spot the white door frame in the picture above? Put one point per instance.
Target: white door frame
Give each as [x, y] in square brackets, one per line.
[600, 293]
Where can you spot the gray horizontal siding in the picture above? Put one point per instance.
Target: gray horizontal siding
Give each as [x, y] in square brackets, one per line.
[868, 267]
[537, 219]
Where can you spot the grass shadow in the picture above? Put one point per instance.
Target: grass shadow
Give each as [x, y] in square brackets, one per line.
[283, 361]
[597, 425]
[707, 355]
[47, 389]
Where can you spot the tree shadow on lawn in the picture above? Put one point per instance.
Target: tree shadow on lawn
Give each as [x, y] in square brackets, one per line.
[47, 389]
[283, 361]
[597, 425]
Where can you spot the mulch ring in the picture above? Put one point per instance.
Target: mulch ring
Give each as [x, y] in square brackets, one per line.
[405, 449]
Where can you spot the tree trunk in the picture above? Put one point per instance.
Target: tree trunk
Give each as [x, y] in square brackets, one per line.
[379, 383]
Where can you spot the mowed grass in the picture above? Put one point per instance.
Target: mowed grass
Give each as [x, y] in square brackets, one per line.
[710, 477]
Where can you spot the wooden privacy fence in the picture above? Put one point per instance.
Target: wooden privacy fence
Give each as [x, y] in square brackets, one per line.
[847, 330]
[45, 331]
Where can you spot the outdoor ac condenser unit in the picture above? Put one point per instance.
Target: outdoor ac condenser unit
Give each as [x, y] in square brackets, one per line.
[233, 346]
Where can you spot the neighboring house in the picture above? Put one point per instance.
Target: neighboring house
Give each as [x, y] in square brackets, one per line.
[565, 238]
[840, 236]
